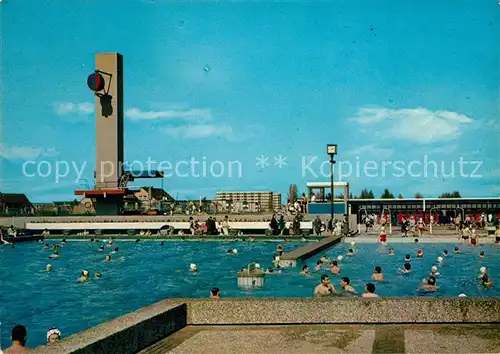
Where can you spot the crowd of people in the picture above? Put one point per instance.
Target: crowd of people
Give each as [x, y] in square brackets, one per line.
[429, 284]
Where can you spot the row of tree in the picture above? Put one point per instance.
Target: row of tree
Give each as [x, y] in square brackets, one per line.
[368, 194]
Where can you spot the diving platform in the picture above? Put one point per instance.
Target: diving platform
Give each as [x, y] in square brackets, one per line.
[289, 260]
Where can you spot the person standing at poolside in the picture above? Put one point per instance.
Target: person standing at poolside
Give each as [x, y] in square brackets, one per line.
[473, 237]
[19, 338]
[225, 226]
[325, 288]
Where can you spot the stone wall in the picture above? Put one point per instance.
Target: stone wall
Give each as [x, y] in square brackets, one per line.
[338, 310]
[135, 331]
[126, 334]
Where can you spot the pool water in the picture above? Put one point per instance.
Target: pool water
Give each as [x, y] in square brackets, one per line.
[146, 272]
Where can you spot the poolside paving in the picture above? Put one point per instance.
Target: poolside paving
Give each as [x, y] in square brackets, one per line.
[298, 339]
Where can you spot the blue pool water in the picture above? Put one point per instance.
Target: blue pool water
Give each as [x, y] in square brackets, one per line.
[149, 272]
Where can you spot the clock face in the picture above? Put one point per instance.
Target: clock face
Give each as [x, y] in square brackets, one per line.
[331, 149]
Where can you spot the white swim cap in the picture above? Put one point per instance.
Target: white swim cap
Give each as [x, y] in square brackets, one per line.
[192, 266]
[257, 265]
[235, 251]
[339, 258]
[482, 269]
[49, 265]
[353, 243]
[462, 295]
[434, 269]
[440, 259]
[277, 258]
[85, 272]
[53, 331]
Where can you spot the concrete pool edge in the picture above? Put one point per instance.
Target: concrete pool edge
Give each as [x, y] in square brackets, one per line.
[137, 330]
[129, 333]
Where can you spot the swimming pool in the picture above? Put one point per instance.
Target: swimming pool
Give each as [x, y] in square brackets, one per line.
[149, 272]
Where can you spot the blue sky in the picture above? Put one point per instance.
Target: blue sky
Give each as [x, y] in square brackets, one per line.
[232, 81]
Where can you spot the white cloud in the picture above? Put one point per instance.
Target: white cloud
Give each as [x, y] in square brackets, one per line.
[443, 150]
[419, 124]
[192, 115]
[199, 131]
[65, 108]
[25, 152]
[371, 150]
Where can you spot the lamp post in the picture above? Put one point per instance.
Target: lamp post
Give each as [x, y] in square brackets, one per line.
[331, 149]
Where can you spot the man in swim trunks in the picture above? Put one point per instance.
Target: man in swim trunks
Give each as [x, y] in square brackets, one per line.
[325, 288]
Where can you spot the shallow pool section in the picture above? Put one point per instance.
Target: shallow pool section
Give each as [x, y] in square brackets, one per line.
[145, 272]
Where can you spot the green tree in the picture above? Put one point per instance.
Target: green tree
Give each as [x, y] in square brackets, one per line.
[387, 194]
[455, 194]
[400, 196]
[364, 194]
[419, 195]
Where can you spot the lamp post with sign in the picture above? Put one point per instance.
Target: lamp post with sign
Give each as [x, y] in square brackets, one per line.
[331, 149]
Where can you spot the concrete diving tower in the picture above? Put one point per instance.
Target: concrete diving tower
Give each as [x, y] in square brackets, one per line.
[110, 178]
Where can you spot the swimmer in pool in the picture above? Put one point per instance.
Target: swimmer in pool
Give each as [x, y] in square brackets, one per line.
[305, 271]
[456, 250]
[115, 250]
[48, 268]
[481, 254]
[420, 253]
[391, 251]
[318, 267]
[84, 277]
[101, 248]
[406, 268]
[56, 253]
[334, 268]
[53, 335]
[378, 274]
[484, 277]
[370, 291]
[434, 272]
[232, 252]
[407, 258]
[193, 268]
[445, 253]
[440, 260]
[46, 246]
[324, 259]
[215, 293]
[350, 253]
[325, 288]
[162, 243]
[345, 284]
[110, 243]
[97, 275]
[107, 258]
[430, 284]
